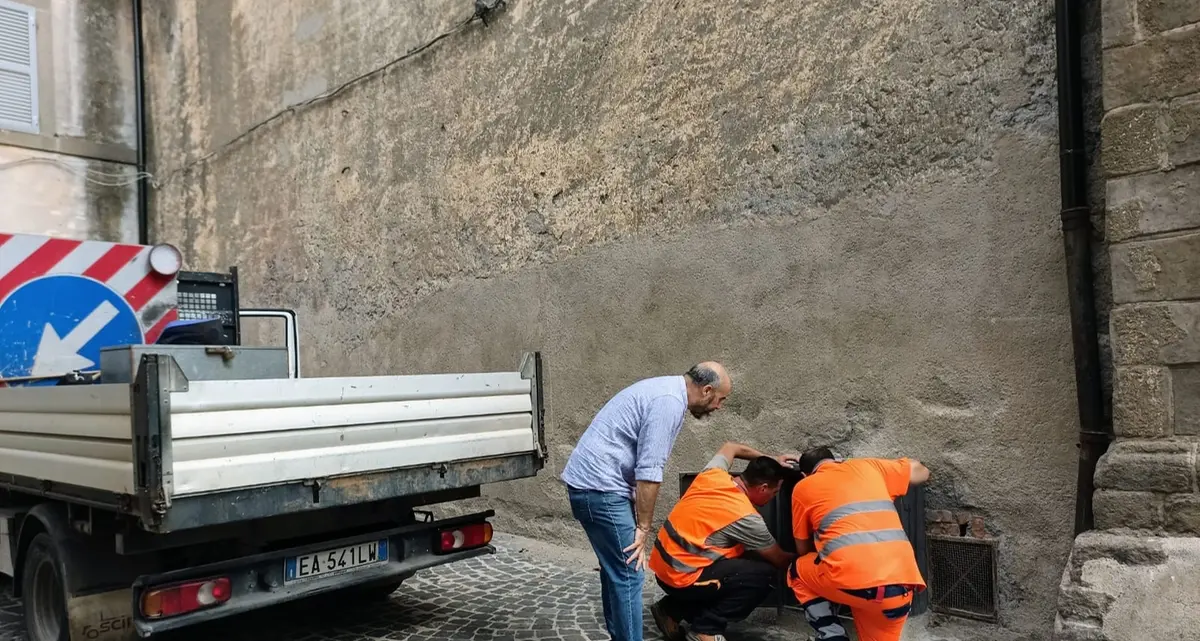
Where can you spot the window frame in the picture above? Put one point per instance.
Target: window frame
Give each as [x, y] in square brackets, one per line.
[34, 124]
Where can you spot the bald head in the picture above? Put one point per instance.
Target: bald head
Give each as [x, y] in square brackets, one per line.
[708, 385]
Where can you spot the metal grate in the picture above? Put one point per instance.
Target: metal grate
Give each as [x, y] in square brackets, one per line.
[198, 306]
[962, 577]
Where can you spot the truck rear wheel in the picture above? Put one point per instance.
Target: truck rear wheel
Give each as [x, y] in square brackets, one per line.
[362, 594]
[376, 592]
[44, 597]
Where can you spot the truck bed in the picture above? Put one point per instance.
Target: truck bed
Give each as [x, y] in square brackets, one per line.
[183, 454]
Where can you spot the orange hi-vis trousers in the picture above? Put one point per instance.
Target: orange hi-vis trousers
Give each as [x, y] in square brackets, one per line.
[879, 613]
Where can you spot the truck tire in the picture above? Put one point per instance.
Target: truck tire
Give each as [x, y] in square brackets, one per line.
[362, 594]
[44, 593]
[376, 592]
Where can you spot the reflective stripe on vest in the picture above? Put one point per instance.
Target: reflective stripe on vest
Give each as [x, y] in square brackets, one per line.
[859, 538]
[688, 546]
[681, 549]
[675, 563]
[856, 538]
[860, 507]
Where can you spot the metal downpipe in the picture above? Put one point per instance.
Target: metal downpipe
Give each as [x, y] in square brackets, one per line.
[1095, 433]
[139, 90]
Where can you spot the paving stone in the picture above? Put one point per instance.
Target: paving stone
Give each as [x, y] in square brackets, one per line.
[491, 601]
[501, 597]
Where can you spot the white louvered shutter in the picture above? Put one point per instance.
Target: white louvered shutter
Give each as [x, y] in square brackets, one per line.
[18, 68]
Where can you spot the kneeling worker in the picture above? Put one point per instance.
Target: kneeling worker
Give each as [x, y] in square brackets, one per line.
[859, 554]
[698, 556]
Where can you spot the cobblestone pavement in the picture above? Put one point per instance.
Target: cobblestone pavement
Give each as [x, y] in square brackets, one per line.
[516, 594]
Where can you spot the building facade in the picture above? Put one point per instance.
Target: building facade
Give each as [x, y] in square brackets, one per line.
[68, 144]
[853, 205]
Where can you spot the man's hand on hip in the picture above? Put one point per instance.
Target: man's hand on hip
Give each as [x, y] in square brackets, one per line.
[639, 552]
[643, 514]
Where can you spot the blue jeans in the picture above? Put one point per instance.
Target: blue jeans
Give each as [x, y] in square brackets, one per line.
[607, 519]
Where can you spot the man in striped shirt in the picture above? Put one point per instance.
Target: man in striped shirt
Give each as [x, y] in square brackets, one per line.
[613, 476]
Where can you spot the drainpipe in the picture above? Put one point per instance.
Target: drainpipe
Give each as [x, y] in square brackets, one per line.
[139, 90]
[1094, 432]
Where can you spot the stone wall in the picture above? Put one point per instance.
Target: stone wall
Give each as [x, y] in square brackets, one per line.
[854, 205]
[1135, 578]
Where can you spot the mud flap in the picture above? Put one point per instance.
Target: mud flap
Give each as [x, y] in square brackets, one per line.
[105, 616]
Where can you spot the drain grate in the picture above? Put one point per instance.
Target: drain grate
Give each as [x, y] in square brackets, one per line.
[962, 579]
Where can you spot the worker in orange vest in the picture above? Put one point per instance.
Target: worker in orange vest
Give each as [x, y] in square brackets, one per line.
[698, 557]
[853, 549]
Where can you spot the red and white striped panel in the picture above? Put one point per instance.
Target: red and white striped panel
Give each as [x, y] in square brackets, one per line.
[125, 269]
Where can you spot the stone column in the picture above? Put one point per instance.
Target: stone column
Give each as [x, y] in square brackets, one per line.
[1138, 575]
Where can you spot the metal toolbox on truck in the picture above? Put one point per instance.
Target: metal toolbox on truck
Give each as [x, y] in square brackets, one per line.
[197, 362]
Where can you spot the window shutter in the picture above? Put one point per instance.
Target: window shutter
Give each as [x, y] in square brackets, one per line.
[18, 68]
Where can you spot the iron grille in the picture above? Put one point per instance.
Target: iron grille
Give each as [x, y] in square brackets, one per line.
[962, 577]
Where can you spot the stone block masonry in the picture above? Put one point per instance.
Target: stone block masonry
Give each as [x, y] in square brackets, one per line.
[1149, 485]
[1134, 577]
[1154, 270]
[1164, 466]
[1142, 401]
[1160, 67]
[1163, 15]
[1186, 407]
[1153, 203]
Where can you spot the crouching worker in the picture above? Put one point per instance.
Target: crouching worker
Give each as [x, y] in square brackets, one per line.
[853, 548]
[698, 556]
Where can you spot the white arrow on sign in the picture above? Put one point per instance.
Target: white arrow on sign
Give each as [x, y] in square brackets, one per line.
[61, 355]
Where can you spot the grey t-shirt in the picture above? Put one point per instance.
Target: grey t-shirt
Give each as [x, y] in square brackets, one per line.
[750, 531]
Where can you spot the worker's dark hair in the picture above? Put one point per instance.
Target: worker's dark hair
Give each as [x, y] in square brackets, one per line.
[703, 375]
[810, 459]
[764, 469]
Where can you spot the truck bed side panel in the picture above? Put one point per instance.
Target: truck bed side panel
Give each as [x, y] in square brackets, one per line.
[182, 454]
[75, 435]
[229, 435]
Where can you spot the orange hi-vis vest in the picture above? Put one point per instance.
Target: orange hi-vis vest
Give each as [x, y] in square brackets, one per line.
[712, 502]
[847, 509]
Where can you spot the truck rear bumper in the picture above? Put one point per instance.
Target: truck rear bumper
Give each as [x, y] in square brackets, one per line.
[259, 581]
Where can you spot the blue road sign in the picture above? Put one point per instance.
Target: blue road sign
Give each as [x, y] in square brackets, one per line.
[57, 324]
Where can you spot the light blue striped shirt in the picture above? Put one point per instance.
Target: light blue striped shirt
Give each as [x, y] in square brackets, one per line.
[630, 438]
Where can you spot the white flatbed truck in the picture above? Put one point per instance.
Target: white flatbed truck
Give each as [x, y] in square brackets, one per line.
[192, 483]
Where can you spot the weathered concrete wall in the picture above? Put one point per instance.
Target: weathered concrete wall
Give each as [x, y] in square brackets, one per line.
[1133, 582]
[854, 205]
[74, 177]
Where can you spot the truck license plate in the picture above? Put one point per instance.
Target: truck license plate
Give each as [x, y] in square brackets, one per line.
[335, 561]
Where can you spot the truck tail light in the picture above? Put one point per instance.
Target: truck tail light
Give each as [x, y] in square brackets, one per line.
[465, 537]
[170, 601]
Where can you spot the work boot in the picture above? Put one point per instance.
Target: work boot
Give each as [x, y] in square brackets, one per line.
[693, 636]
[668, 626]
